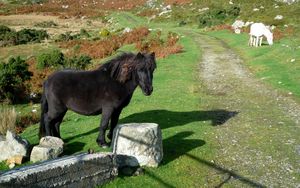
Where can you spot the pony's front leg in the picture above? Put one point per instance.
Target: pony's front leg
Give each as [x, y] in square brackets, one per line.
[106, 115]
[113, 122]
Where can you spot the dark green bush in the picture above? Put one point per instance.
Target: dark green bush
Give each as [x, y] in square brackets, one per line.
[53, 59]
[4, 29]
[78, 62]
[12, 77]
[56, 59]
[11, 37]
[31, 35]
[68, 36]
[46, 24]
[84, 33]
[65, 37]
[26, 2]
[218, 16]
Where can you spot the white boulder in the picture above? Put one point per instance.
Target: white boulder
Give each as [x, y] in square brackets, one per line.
[238, 24]
[278, 17]
[138, 144]
[13, 145]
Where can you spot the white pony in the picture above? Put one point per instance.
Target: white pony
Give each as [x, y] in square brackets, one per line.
[257, 32]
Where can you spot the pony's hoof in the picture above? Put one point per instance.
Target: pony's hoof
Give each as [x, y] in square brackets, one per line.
[104, 145]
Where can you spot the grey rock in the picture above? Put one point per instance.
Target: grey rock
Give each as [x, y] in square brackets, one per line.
[12, 146]
[288, 1]
[82, 170]
[50, 141]
[138, 144]
[49, 148]
[238, 24]
[42, 153]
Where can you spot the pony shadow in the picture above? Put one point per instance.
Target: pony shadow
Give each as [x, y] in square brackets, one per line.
[73, 147]
[167, 119]
[177, 145]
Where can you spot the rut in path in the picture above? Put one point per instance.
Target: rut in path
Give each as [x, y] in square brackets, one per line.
[262, 141]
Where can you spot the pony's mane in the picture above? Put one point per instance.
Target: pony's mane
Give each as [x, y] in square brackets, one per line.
[121, 67]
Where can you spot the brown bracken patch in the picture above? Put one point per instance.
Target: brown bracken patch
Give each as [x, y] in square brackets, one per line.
[177, 2]
[79, 8]
[105, 47]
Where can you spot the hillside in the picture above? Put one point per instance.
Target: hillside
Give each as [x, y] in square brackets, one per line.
[229, 113]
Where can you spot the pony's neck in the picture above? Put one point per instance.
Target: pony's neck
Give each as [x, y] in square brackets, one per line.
[131, 85]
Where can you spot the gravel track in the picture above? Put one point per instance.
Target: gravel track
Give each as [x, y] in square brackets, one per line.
[260, 145]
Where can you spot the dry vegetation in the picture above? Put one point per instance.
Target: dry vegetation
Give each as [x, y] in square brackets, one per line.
[78, 9]
[8, 118]
[177, 2]
[162, 49]
[73, 25]
[103, 48]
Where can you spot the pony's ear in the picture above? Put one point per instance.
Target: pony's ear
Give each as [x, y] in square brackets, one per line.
[152, 54]
[139, 55]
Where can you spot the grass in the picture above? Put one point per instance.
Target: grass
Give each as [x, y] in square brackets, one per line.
[176, 106]
[273, 64]
[25, 51]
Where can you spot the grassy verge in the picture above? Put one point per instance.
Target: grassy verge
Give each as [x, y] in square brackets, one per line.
[278, 65]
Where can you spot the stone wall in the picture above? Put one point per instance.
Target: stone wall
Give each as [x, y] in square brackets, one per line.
[83, 170]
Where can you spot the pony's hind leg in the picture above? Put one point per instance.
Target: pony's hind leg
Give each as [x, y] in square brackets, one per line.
[56, 128]
[53, 119]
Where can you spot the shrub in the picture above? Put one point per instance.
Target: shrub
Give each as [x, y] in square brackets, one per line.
[218, 16]
[52, 59]
[8, 118]
[12, 77]
[31, 35]
[104, 33]
[78, 62]
[65, 37]
[56, 59]
[11, 37]
[4, 29]
[84, 33]
[46, 24]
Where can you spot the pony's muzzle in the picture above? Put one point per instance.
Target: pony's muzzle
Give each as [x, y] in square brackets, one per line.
[148, 91]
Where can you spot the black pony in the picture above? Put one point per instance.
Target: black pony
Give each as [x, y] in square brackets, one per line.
[106, 90]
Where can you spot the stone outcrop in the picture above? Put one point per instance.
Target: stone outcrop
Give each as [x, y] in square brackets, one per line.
[138, 144]
[13, 145]
[48, 148]
[82, 170]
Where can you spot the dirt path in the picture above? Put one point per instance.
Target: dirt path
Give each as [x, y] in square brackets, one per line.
[260, 145]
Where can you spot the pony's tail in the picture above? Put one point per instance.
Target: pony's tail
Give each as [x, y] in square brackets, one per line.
[44, 109]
